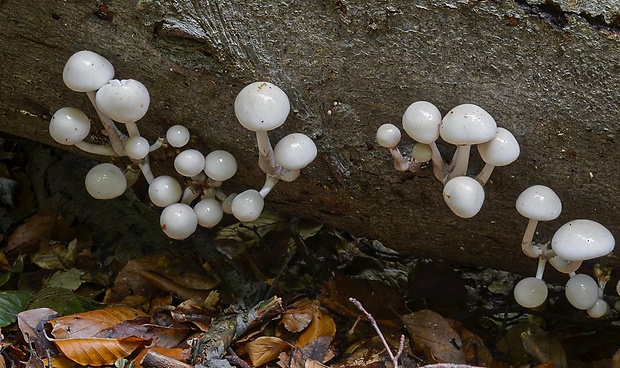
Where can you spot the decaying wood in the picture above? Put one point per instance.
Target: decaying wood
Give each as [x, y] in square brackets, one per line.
[228, 328]
[153, 359]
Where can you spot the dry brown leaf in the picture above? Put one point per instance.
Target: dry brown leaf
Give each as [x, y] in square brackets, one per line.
[32, 325]
[433, 335]
[476, 351]
[299, 315]
[179, 354]
[89, 324]
[37, 230]
[98, 351]
[265, 349]
[321, 325]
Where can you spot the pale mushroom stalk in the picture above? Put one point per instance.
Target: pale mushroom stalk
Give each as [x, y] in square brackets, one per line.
[132, 129]
[528, 247]
[459, 161]
[157, 145]
[266, 159]
[145, 167]
[542, 262]
[484, 174]
[270, 182]
[403, 163]
[97, 149]
[116, 137]
[189, 194]
[440, 169]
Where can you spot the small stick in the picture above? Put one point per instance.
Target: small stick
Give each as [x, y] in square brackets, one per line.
[153, 359]
[372, 321]
[233, 358]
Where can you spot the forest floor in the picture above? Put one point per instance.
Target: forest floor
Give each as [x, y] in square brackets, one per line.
[278, 292]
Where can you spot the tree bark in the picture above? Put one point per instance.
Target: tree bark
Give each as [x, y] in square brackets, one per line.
[548, 75]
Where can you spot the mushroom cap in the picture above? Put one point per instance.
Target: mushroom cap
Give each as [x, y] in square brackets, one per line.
[295, 151]
[137, 147]
[178, 221]
[69, 126]
[580, 240]
[247, 206]
[209, 212]
[540, 203]
[220, 165]
[464, 196]
[189, 162]
[125, 101]
[105, 181]
[165, 190]
[467, 124]
[531, 292]
[388, 135]
[261, 106]
[581, 291]
[87, 71]
[421, 121]
[177, 136]
[501, 150]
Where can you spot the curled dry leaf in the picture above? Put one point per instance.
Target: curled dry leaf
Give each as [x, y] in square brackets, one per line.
[432, 334]
[321, 325]
[265, 349]
[32, 325]
[299, 315]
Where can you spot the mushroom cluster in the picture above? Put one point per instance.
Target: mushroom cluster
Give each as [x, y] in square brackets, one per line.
[259, 107]
[574, 242]
[464, 126]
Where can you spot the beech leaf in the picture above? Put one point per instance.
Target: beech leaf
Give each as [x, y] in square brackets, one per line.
[300, 314]
[432, 334]
[98, 351]
[88, 324]
[265, 349]
[11, 303]
[321, 325]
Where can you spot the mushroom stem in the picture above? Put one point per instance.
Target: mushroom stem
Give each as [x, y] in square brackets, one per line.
[270, 182]
[400, 163]
[542, 262]
[157, 145]
[266, 159]
[530, 249]
[563, 265]
[145, 167]
[485, 174]
[97, 149]
[117, 138]
[440, 169]
[189, 194]
[132, 129]
[459, 161]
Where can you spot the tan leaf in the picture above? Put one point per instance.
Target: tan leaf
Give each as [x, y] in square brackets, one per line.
[88, 324]
[32, 325]
[300, 314]
[321, 325]
[265, 349]
[37, 229]
[98, 351]
[432, 334]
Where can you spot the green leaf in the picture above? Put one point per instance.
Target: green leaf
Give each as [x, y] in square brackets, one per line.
[11, 303]
[17, 268]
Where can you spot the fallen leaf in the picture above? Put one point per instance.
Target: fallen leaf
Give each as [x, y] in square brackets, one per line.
[89, 324]
[432, 334]
[265, 349]
[36, 230]
[98, 351]
[11, 303]
[299, 315]
[321, 325]
[32, 325]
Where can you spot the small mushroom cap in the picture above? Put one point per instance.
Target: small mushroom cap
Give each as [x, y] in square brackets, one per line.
[539, 202]
[388, 135]
[464, 196]
[247, 206]
[295, 151]
[581, 291]
[209, 212]
[531, 292]
[261, 106]
[220, 165]
[125, 101]
[502, 150]
[178, 221]
[467, 124]
[580, 240]
[421, 121]
[87, 71]
[105, 181]
[69, 126]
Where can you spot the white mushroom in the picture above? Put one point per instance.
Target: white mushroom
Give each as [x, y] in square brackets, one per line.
[248, 205]
[209, 212]
[125, 101]
[164, 190]
[178, 221]
[582, 291]
[463, 126]
[531, 292]
[580, 240]
[537, 203]
[295, 151]
[87, 71]
[421, 122]
[464, 196]
[502, 150]
[220, 165]
[105, 181]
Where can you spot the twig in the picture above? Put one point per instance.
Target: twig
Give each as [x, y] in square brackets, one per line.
[153, 359]
[233, 358]
[374, 324]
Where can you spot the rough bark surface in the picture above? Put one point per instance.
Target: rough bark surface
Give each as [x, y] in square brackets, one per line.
[551, 77]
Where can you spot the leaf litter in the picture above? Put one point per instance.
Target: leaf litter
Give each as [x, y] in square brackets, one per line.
[277, 293]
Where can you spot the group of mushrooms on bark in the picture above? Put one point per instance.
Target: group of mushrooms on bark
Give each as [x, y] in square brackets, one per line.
[467, 125]
[261, 107]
